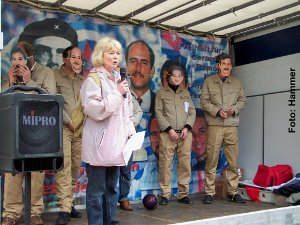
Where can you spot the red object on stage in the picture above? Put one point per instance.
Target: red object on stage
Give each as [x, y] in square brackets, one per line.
[267, 176]
[253, 193]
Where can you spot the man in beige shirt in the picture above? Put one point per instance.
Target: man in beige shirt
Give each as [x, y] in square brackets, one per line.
[68, 83]
[35, 75]
[222, 99]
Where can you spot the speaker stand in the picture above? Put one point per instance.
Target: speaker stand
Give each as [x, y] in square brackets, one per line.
[27, 198]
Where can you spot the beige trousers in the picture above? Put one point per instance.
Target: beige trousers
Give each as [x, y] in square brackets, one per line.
[13, 195]
[66, 178]
[167, 149]
[228, 137]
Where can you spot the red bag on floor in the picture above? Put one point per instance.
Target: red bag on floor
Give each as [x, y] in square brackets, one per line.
[271, 176]
[253, 193]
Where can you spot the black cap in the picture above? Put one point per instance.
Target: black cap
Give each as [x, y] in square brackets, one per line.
[49, 27]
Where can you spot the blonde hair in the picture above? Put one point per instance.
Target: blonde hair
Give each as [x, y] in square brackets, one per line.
[103, 45]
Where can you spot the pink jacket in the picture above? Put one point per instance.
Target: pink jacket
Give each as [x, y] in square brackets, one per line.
[109, 121]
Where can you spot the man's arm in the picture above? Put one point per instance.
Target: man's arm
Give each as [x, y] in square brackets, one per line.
[137, 112]
[5, 83]
[191, 113]
[163, 123]
[49, 83]
[66, 118]
[241, 101]
[190, 119]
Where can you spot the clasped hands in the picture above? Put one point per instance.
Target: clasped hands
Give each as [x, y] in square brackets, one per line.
[21, 71]
[173, 135]
[226, 114]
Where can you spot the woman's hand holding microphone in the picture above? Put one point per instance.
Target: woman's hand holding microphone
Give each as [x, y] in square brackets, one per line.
[123, 87]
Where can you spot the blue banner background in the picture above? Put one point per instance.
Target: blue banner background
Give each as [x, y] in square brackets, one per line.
[196, 53]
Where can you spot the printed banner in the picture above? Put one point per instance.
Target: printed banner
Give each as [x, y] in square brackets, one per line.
[51, 32]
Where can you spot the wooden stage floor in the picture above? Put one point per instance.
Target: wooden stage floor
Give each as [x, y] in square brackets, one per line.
[174, 212]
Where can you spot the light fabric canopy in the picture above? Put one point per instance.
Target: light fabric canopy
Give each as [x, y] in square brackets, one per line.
[231, 18]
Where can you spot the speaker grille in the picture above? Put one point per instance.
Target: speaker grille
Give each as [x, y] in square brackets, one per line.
[39, 127]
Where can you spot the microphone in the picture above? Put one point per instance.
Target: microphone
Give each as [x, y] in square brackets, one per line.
[123, 77]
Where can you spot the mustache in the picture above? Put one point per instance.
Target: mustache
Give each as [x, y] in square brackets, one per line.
[137, 74]
[76, 63]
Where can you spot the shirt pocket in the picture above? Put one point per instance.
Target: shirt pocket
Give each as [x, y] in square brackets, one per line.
[216, 97]
[233, 96]
[39, 80]
[168, 105]
[66, 92]
[63, 89]
[185, 103]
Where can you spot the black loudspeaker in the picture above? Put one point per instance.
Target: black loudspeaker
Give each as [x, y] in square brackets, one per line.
[31, 127]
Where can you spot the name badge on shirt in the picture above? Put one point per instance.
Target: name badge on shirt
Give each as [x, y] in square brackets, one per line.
[186, 106]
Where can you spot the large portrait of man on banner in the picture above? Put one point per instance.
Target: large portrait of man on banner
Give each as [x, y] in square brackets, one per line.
[140, 59]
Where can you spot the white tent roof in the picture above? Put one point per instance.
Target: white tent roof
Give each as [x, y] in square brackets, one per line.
[232, 18]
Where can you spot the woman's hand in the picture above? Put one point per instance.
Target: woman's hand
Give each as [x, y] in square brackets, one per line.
[25, 72]
[123, 87]
[12, 74]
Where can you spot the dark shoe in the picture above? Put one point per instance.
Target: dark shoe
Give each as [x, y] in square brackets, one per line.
[163, 201]
[63, 218]
[75, 213]
[125, 205]
[236, 198]
[9, 221]
[185, 200]
[208, 199]
[36, 220]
